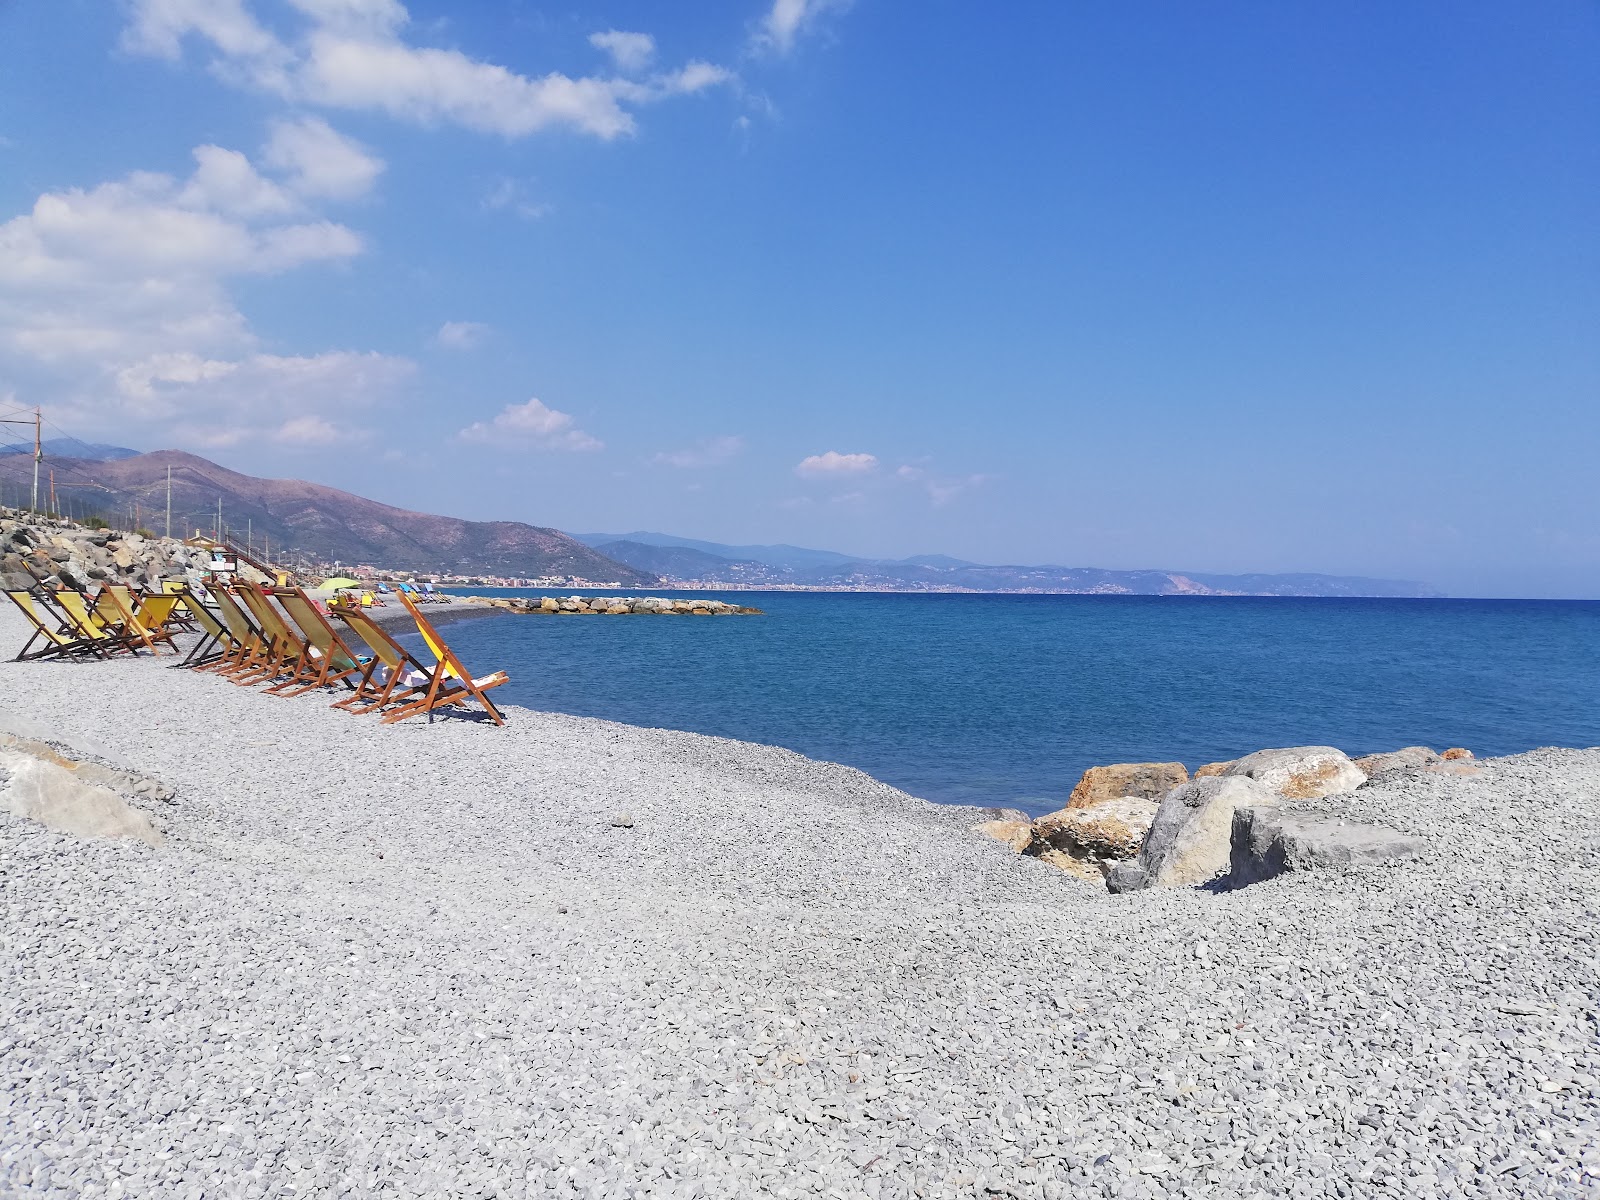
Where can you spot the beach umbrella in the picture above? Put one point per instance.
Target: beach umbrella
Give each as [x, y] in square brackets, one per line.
[341, 581]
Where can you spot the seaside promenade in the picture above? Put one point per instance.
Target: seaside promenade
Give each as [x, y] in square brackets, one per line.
[573, 958]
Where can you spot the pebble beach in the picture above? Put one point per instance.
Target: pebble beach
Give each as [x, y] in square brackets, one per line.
[573, 958]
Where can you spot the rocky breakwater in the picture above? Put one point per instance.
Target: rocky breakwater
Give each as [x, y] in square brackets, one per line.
[613, 606]
[64, 555]
[1132, 826]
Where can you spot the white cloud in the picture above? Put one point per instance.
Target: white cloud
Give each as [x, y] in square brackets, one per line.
[706, 453]
[226, 182]
[220, 402]
[510, 196]
[136, 266]
[833, 463]
[631, 52]
[693, 77]
[941, 489]
[532, 424]
[320, 161]
[780, 28]
[461, 335]
[114, 304]
[352, 56]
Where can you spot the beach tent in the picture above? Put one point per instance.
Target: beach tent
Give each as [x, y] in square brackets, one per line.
[341, 581]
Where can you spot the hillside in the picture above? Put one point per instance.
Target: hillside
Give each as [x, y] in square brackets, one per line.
[791, 566]
[325, 524]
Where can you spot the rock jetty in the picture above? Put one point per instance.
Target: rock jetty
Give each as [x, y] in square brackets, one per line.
[612, 606]
[1133, 826]
[55, 555]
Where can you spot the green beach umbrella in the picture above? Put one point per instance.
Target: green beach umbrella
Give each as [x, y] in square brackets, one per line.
[341, 581]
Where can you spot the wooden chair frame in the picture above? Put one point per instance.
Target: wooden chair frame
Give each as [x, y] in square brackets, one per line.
[62, 641]
[327, 659]
[451, 682]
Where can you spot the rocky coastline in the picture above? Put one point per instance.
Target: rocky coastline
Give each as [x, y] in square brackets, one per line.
[1131, 826]
[614, 606]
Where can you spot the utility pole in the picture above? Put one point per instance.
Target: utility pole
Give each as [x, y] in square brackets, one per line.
[169, 501]
[52, 489]
[38, 449]
[219, 518]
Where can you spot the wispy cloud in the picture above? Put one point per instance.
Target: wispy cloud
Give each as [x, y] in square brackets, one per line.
[940, 489]
[461, 335]
[630, 52]
[320, 161]
[832, 463]
[707, 453]
[352, 56]
[783, 24]
[531, 425]
[507, 195]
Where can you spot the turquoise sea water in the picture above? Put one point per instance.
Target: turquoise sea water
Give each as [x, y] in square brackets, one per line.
[1006, 699]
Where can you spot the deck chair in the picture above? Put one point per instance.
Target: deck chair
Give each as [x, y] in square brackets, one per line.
[183, 615]
[215, 645]
[327, 659]
[392, 676]
[286, 650]
[86, 623]
[117, 606]
[155, 614]
[60, 638]
[451, 682]
[252, 646]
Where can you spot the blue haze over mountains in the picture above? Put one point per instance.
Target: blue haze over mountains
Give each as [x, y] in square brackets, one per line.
[689, 559]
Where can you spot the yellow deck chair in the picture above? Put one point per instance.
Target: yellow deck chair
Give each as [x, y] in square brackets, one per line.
[60, 639]
[393, 676]
[81, 615]
[450, 682]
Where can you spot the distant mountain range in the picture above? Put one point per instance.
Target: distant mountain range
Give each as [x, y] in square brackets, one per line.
[690, 560]
[322, 523]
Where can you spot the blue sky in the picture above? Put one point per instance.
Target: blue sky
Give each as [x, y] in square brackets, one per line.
[1244, 286]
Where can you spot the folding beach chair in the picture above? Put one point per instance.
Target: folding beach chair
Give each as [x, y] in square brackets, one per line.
[182, 616]
[60, 639]
[392, 676]
[216, 646]
[327, 659]
[252, 646]
[118, 607]
[286, 650]
[82, 618]
[451, 682]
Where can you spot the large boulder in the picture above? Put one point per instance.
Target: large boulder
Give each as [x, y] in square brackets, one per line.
[1191, 837]
[1300, 772]
[1015, 834]
[1109, 830]
[1210, 769]
[1268, 841]
[1404, 759]
[1149, 780]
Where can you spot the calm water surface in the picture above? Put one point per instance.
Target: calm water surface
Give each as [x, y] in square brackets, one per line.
[1006, 699]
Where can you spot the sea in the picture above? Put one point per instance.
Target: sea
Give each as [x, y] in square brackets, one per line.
[1004, 700]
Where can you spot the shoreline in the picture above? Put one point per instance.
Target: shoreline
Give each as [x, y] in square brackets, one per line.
[780, 973]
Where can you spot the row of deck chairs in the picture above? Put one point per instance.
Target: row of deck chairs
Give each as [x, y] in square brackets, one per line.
[114, 620]
[279, 637]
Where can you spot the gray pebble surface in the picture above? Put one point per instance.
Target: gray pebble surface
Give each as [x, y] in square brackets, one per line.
[427, 960]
